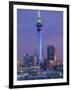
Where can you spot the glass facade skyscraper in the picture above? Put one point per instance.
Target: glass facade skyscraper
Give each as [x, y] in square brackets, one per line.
[50, 53]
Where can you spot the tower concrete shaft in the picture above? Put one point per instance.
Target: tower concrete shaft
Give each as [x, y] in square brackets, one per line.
[39, 33]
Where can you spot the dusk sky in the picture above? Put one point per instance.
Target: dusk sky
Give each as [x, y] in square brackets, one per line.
[27, 32]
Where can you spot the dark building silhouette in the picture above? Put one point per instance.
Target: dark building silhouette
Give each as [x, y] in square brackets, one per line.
[51, 54]
[28, 60]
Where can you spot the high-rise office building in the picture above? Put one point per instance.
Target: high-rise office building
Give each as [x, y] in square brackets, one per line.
[51, 54]
[28, 60]
[35, 60]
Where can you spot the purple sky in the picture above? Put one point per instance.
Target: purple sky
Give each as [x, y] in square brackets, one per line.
[27, 32]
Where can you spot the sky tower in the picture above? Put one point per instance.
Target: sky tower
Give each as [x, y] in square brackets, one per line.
[39, 38]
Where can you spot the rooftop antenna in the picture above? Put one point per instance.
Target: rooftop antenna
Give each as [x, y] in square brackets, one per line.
[38, 17]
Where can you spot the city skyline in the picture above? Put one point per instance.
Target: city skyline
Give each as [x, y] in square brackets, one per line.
[26, 32]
